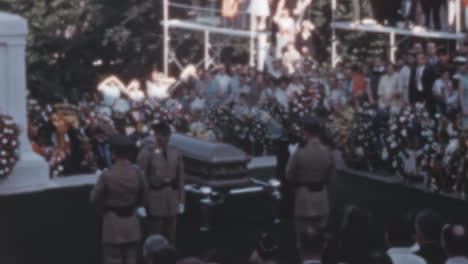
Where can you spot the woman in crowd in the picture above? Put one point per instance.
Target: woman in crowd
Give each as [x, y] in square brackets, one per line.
[463, 91]
[389, 95]
[260, 9]
[286, 30]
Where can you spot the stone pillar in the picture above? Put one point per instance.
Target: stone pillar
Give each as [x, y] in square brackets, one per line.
[31, 171]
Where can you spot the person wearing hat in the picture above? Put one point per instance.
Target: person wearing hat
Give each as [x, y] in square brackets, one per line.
[266, 251]
[162, 166]
[118, 192]
[310, 170]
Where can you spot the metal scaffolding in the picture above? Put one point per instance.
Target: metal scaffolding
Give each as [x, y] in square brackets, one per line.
[393, 32]
[256, 38]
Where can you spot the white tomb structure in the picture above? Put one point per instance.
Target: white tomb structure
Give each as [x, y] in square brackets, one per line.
[31, 171]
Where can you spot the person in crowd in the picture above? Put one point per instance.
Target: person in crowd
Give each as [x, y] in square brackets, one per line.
[275, 70]
[400, 240]
[389, 95]
[463, 93]
[431, 49]
[360, 89]
[282, 94]
[253, 97]
[310, 170]
[111, 89]
[354, 240]
[428, 225]
[291, 58]
[311, 246]
[376, 72]
[431, 10]
[421, 83]
[295, 87]
[234, 83]
[347, 81]
[118, 192]
[268, 92]
[454, 243]
[163, 168]
[451, 102]
[404, 76]
[222, 80]
[305, 39]
[418, 48]
[286, 30]
[266, 251]
[337, 98]
[157, 250]
[208, 88]
[260, 9]
[441, 85]
[198, 102]
[375, 257]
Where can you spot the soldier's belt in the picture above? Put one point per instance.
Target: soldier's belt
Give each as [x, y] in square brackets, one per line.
[121, 211]
[312, 186]
[157, 187]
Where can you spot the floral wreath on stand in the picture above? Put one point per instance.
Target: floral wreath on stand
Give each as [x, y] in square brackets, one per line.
[9, 153]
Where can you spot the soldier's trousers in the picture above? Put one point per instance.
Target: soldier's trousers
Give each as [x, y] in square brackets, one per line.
[120, 253]
[303, 223]
[165, 226]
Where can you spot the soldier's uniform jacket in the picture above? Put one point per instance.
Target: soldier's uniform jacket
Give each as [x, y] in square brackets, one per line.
[165, 179]
[310, 170]
[118, 192]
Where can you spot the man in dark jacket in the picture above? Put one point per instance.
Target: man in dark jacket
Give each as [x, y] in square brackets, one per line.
[428, 225]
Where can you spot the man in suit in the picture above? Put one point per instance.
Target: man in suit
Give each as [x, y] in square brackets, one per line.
[421, 82]
[431, 10]
[310, 170]
[428, 226]
[162, 165]
[118, 192]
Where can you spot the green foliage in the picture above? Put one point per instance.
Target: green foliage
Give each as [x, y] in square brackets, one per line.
[67, 37]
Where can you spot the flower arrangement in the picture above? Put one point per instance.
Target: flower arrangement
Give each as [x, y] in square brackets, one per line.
[9, 144]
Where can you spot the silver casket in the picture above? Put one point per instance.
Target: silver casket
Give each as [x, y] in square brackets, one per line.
[212, 164]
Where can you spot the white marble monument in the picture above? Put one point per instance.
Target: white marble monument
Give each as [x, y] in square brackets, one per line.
[31, 172]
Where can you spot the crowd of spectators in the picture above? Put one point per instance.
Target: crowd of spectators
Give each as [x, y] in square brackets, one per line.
[420, 237]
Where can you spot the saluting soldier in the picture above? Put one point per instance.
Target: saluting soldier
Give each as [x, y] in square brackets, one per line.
[118, 192]
[310, 170]
[162, 165]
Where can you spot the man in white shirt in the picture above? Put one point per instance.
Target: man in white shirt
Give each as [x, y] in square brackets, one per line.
[400, 240]
[454, 242]
[404, 76]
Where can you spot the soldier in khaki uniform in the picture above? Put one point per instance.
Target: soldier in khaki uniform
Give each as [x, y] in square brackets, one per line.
[118, 192]
[162, 165]
[310, 170]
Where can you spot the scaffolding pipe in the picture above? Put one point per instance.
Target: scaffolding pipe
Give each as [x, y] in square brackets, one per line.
[166, 38]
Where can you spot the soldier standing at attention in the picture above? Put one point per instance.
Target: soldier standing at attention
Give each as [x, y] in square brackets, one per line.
[162, 166]
[310, 170]
[118, 192]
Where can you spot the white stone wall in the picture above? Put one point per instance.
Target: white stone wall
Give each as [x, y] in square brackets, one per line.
[31, 172]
